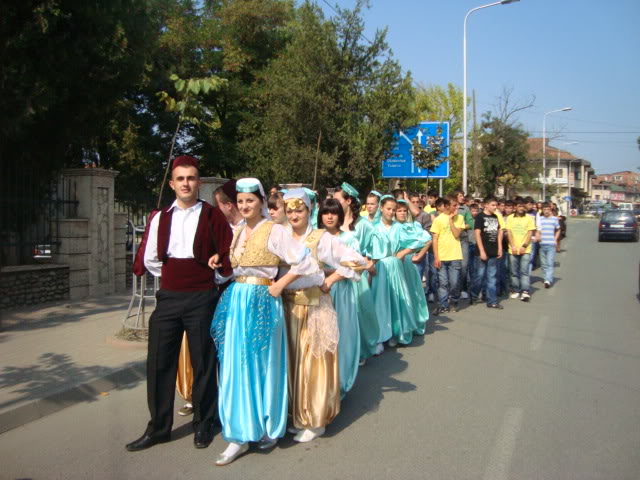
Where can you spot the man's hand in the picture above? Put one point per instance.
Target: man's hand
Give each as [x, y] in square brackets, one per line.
[417, 258]
[522, 250]
[214, 262]
[499, 253]
[483, 256]
[437, 263]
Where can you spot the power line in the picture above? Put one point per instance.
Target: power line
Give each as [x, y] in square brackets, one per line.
[591, 133]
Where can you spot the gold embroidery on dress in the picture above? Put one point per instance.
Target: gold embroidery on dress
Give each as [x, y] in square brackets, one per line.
[312, 241]
[256, 253]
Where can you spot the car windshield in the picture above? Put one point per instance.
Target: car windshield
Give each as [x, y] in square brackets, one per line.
[617, 216]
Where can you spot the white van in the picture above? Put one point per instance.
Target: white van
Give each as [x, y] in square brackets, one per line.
[625, 206]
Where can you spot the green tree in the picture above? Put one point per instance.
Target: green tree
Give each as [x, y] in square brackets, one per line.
[504, 160]
[66, 66]
[332, 85]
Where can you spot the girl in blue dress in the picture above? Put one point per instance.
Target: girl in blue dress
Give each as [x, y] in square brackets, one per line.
[249, 331]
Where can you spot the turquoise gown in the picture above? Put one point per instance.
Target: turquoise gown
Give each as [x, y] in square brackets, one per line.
[372, 245]
[415, 237]
[390, 290]
[252, 374]
[345, 300]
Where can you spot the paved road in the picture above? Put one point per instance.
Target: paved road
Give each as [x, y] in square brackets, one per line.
[546, 390]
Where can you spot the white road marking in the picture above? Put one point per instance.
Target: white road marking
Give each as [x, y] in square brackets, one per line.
[498, 468]
[538, 334]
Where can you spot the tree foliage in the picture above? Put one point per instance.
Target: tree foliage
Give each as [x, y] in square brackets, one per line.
[328, 84]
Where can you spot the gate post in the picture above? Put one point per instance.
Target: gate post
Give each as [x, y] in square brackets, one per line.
[88, 244]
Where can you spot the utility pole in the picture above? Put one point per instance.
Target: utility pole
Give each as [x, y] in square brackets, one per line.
[474, 145]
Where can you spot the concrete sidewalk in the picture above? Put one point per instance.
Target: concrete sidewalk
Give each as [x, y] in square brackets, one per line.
[57, 355]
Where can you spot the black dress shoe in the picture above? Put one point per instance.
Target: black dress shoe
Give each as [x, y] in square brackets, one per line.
[203, 439]
[497, 306]
[147, 440]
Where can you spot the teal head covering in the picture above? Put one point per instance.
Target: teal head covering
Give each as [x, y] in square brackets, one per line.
[313, 218]
[409, 216]
[377, 218]
[253, 185]
[376, 193]
[352, 192]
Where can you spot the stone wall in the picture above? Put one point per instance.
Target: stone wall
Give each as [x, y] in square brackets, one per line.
[32, 284]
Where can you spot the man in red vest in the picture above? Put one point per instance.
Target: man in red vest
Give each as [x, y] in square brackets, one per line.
[185, 241]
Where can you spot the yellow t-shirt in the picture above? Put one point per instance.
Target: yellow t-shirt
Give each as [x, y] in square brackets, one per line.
[448, 246]
[519, 226]
[429, 209]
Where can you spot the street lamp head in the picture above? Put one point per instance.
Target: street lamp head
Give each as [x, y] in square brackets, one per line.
[566, 109]
[507, 2]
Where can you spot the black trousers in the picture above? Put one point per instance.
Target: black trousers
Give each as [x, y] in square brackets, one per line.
[175, 313]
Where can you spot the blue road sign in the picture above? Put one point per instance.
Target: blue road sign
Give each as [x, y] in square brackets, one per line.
[400, 164]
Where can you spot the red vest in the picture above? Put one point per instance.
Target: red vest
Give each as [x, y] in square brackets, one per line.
[213, 235]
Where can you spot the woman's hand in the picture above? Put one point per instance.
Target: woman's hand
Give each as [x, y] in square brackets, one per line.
[326, 285]
[275, 290]
[214, 262]
[371, 267]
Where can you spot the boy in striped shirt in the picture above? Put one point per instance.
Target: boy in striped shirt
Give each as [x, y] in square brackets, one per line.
[548, 230]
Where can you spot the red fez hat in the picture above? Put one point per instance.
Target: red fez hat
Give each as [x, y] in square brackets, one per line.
[229, 189]
[185, 161]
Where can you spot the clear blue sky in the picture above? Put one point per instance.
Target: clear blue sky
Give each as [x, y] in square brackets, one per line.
[579, 53]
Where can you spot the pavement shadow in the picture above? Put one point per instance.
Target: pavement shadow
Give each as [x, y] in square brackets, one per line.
[375, 379]
[53, 315]
[54, 374]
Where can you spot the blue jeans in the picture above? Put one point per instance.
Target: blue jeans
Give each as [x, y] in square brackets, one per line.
[464, 244]
[432, 278]
[520, 272]
[423, 268]
[548, 260]
[449, 282]
[471, 264]
[501, 274]
[485, 271]
[535, 247]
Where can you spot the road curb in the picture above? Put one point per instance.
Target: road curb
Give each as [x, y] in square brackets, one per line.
[80, 393]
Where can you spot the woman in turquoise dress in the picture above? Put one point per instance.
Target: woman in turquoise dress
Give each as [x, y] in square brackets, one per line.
[413, 236]
[248, 328]
[390, 289]
[345, 298]
[373, 246]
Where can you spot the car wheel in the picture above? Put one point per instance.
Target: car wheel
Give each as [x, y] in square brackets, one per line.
[600, 239]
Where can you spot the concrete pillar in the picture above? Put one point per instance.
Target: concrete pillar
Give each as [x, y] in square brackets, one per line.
[208, 186]
[120, 251]
[94, 187]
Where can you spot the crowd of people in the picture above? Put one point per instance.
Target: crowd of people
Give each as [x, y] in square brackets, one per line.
[269, 304]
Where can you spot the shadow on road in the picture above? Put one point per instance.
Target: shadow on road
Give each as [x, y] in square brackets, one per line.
[54, 373]
[48, 316]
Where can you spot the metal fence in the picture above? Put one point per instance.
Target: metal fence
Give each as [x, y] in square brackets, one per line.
[30, 211]
[136, 220]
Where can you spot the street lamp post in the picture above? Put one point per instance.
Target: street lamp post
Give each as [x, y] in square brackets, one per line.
[544, 150]
[464, 88]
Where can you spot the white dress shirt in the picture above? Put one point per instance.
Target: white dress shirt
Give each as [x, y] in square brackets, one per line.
[183, 232]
